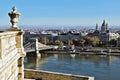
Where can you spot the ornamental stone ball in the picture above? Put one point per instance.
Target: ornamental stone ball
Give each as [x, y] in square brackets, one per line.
[14, 15]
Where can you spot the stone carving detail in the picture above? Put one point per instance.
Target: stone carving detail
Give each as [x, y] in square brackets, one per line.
[14, 15]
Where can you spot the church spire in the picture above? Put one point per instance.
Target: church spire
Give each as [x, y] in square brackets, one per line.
[103, 24]
[96, 26]
[106, 26]
[103, 27]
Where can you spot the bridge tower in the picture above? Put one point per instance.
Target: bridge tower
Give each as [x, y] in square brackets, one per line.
[37, 47]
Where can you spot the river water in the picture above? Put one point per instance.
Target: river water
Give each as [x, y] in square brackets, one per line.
[100, 66]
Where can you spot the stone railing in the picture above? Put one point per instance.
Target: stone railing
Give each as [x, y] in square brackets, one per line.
[46, 75]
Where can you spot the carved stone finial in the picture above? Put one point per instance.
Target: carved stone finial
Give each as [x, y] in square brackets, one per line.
[14, 15]
[14, 9]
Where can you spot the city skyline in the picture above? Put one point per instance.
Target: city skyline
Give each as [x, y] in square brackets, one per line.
[62, 12]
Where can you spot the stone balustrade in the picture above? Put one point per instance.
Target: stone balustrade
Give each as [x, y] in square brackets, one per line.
[11, 55]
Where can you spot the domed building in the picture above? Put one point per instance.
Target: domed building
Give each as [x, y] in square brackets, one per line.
[105, 35]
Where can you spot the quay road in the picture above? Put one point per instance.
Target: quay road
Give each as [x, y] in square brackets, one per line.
[91, 51]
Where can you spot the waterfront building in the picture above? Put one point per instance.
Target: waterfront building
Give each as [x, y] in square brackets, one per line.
[84, 33]
[104, 27]
[105, 35]
[96, 32]
[52, 36]
[118, 41]
[69, 36]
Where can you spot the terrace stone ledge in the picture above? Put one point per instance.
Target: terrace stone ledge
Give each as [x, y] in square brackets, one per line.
[46, 75]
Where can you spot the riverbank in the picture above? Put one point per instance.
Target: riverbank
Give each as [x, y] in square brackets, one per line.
[90, 52]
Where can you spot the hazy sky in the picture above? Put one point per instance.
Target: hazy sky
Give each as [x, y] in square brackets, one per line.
[62, 12]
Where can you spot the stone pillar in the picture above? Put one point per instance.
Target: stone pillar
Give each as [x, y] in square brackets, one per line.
[19, 45]
[20, 69]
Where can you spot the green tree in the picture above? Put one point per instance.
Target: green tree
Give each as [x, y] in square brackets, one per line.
[57, 42]
[43, 40]
[61, 45]
[76, 42]
[113, 42]
[87, 40]
[69, 42]
[82, 42]
[94, 41]
[91, 41]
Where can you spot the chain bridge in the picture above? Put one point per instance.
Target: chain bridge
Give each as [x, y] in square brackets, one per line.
[34, 45]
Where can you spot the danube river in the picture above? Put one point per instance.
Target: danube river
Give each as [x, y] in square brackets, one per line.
[100, 66]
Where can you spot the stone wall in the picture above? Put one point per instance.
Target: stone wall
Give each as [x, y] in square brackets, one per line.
[45, 75]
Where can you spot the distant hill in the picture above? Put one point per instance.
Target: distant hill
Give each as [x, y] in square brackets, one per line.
[44, 27]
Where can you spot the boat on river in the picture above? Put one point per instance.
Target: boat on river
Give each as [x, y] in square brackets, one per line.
[102, 53]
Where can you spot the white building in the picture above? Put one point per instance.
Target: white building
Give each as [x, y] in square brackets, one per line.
[118, 41]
